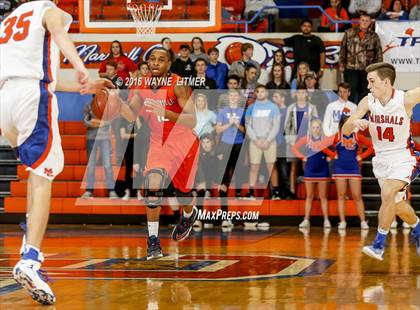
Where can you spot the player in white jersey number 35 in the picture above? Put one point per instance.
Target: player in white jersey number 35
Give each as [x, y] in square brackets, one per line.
[396, 163]
[30, 42]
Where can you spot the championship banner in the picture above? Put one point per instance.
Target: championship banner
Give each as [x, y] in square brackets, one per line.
[400, 44]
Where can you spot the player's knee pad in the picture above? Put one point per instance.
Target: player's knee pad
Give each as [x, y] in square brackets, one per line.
[184, 198]
[159, 193]
[400, 196]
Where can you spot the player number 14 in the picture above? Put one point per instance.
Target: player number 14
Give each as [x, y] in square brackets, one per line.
[388, 134]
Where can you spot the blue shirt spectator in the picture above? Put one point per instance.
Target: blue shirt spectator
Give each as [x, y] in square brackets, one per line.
[216, 70]
[229, 119]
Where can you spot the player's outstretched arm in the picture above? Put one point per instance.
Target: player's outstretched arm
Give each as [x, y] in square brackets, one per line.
[355, 120]
[412, 98]
[87, 88]
[54, 22]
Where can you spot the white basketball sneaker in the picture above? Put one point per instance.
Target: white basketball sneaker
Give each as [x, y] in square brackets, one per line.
[27, 272]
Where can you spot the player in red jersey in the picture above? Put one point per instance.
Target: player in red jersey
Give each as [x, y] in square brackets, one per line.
[164, 102]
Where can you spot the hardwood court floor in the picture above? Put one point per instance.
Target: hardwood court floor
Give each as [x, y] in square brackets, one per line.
[101, 267]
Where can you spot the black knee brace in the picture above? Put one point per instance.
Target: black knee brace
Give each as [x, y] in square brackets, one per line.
[148, 193]
[184, 198]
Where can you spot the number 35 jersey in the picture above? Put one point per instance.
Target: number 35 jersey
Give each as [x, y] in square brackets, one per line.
[26, 47]
[389, 125]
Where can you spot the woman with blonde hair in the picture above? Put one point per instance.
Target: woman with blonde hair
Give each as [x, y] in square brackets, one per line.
[302, 69]
[316, 170]
[206, 119]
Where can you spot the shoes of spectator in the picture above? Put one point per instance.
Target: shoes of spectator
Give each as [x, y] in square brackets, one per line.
[327, 224]
[208, 225]
[126, 196]
[406, 226]
[113, 195]
[291, 196]
[275, 196]
[87, 195]
[250, 225]
[364, 225]
[342, 225]
[394, 224]
[139, 195]
[227, 229]
[249, 196]
[238, 194]
[207, 195]
[198, 226]
[227, 224]
[305, 224]
[264, 226]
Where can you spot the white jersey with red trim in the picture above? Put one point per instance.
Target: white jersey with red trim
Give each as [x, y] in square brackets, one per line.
[26, 47]
[389, 124]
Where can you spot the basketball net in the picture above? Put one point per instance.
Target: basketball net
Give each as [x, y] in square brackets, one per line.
[146, 15]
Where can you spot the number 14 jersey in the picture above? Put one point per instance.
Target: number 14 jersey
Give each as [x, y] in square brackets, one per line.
[389, 125]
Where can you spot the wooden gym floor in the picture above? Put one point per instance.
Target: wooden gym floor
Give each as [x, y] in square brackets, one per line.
[102, 267]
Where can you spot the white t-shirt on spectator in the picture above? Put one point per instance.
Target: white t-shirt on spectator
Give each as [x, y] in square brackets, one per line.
[333, 113]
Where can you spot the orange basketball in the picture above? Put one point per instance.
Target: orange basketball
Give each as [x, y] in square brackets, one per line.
[106, 105]
[233, 52]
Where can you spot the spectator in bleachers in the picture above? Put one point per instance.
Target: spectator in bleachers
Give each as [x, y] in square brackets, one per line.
[183, 66]
[233, 82]
[415, 12]
[396, 11]
[97, 138]
[197, 50]
[360, 48]
[316, 170]
[346, 169]
[6, 7]
[299, 115]
[336, 12]
[206, 119]
[262, 121]
[141, 148]
[371, 7]
[308, 48]
[143, 69]
[200, 67]
[252, 7]
[279, 98]
[278, 58]
[208, 174]
[128, 132]
[111, 74]
[316, 96]
[248, 84]
[335, 109]
[299, 80]
[277, 78]
[216, 70]
[238, 67]
[167, 44]
[125, 66]
[231, 128]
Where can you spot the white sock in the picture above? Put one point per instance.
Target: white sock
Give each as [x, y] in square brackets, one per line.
[153, 228]
[187, 215]
[418, 220]
[383, 231]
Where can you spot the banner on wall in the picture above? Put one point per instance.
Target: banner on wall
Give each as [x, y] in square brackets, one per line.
[400, 44]
[94, 52]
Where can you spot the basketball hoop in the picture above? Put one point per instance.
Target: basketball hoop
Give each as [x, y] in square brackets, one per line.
[146, 15]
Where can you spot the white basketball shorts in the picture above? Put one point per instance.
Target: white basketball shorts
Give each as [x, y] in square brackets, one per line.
[29, 121]
[399, 165]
